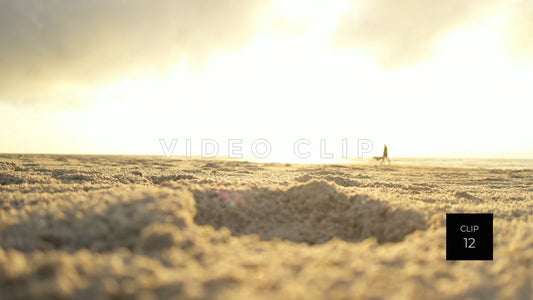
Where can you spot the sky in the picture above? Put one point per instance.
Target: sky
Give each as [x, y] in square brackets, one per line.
[427, 78]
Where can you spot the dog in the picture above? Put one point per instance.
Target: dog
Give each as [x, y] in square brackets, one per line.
[382, 159]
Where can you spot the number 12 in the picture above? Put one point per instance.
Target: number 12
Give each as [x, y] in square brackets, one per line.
[471, 240]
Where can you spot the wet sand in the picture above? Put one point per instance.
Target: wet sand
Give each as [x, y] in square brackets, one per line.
[94, 227]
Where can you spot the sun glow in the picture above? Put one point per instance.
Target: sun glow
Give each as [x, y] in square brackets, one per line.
[322, 16]
[323, 92]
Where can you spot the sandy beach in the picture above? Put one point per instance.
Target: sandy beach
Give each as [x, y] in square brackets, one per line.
[102, 227]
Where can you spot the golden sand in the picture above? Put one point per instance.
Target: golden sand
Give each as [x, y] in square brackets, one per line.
[96, 227]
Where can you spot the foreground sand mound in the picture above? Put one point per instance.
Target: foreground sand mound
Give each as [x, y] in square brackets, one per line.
[98, 221]
[313, 213]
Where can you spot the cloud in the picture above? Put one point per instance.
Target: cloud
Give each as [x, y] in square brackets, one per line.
[520, 29]
[402, 32]
[54, 49]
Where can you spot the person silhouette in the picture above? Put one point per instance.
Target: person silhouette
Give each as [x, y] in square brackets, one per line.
[385, 155]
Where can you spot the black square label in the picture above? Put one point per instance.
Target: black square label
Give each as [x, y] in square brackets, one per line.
[469, 236]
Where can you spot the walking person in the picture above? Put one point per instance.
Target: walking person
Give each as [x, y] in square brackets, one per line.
[385, 155]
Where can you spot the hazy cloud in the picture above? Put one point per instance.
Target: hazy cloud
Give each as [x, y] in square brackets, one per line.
[49, 47]
[520, 28]
[402, 32]
[57, 50]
